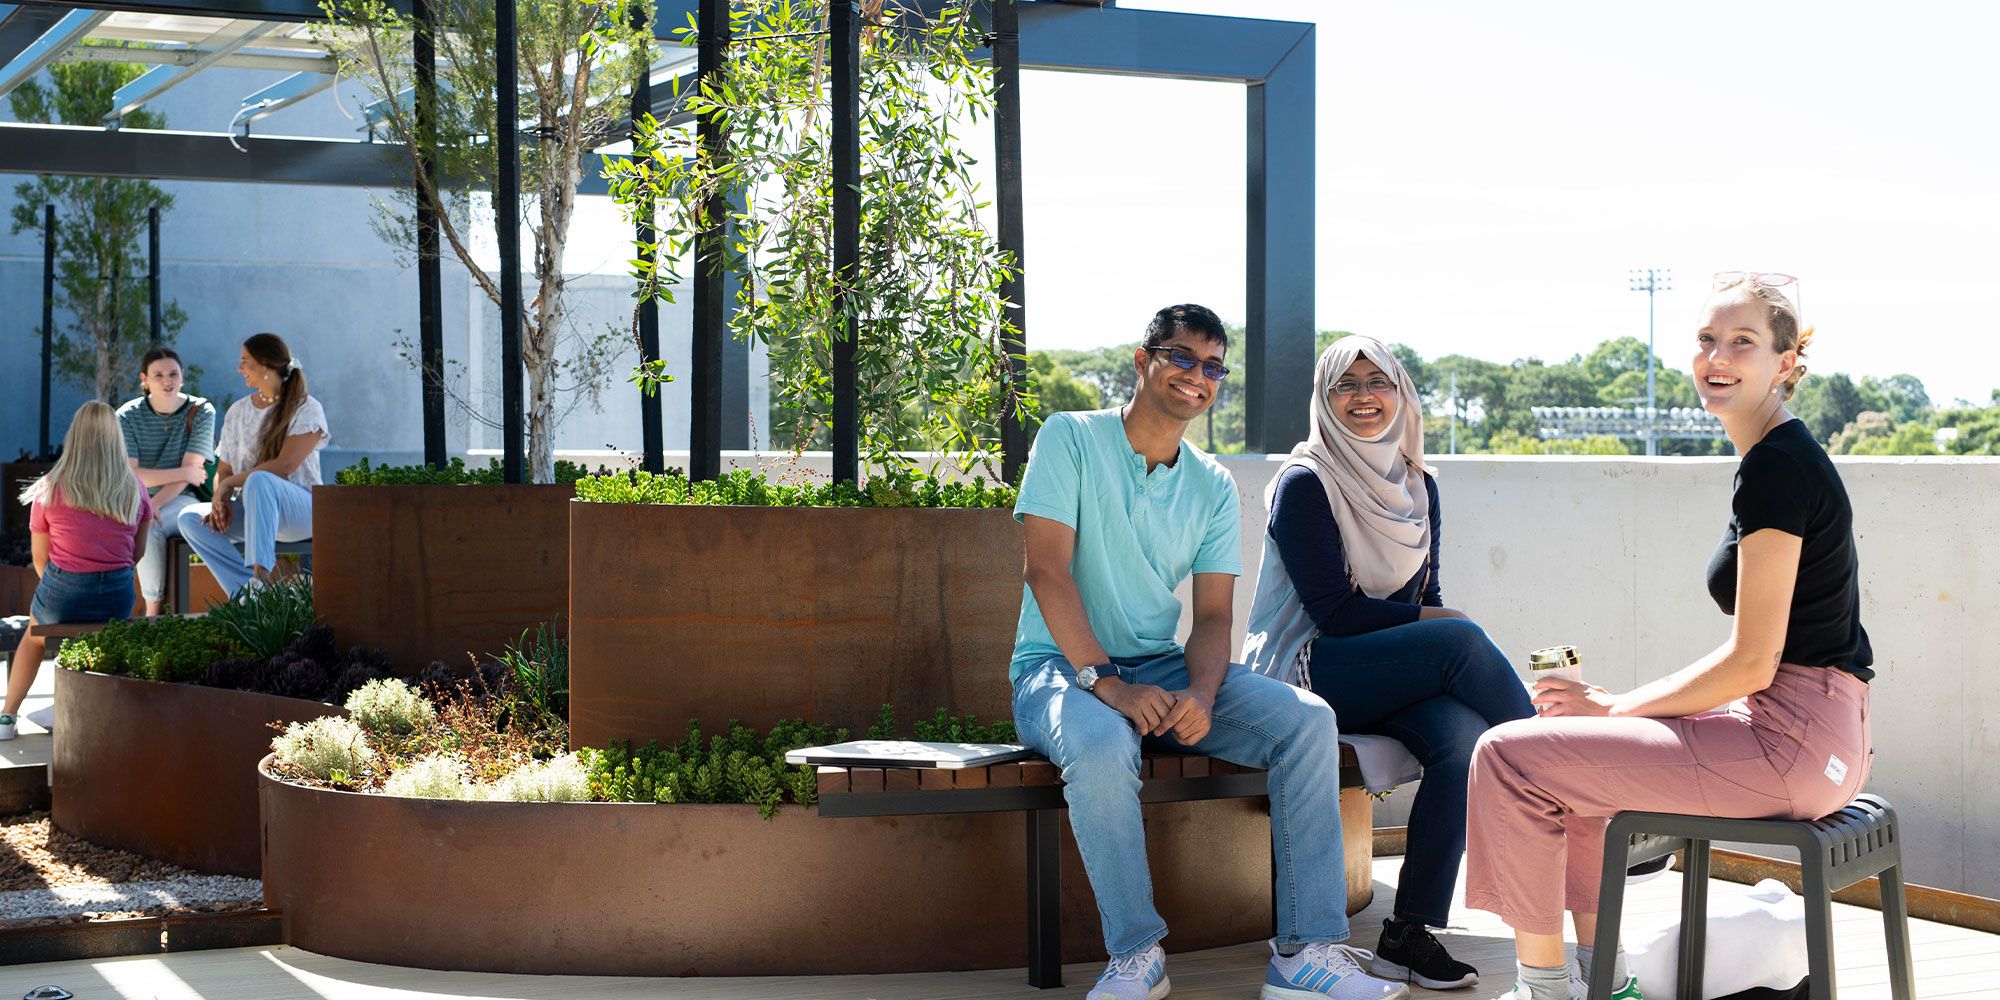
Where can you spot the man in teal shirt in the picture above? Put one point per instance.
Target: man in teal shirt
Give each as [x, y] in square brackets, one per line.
[1118, 509]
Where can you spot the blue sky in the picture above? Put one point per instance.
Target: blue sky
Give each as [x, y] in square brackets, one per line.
[1489, 173]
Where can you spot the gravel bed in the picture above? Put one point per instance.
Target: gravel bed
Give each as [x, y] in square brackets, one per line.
[179, 894]
[48, 876]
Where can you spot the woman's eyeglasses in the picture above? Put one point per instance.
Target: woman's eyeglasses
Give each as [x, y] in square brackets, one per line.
[1377, 384]
[1186, 362]
[1764, 279]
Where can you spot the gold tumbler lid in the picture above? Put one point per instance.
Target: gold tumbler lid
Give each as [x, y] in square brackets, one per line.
[1552, 657]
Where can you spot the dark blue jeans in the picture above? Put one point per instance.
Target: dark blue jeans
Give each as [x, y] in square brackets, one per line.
[1433, 686]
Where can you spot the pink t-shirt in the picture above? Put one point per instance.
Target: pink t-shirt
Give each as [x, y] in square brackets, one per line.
[82, 542]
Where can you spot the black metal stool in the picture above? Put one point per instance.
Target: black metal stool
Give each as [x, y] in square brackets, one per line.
[1835, 852]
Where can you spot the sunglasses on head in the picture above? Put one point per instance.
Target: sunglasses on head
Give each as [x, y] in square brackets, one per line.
[1765, 279]
[1186, 362]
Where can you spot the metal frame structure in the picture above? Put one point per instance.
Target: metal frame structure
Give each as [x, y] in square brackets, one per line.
[1273, 60]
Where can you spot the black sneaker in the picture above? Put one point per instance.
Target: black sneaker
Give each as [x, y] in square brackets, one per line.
[1409, 953]
[1646, 871]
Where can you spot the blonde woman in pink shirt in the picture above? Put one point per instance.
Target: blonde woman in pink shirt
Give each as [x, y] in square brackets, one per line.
[88, 522]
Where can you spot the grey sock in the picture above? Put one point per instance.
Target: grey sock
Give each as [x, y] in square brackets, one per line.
[1288, 950]
[1535, 983]
[1585, 955]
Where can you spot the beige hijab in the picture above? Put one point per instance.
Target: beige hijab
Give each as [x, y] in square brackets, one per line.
[1374, 484]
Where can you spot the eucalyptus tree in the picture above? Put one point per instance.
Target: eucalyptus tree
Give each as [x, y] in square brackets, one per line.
[578, 61]
[930, 358]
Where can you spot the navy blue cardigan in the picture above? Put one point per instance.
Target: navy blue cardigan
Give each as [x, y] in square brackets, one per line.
[1308, 541]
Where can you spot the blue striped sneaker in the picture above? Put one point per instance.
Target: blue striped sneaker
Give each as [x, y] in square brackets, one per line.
[1326, 972]
[1141, 977]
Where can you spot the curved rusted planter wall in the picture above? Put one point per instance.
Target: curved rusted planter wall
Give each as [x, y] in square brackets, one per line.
[714, 890]
[436, 572]
[165, 770]
[762, 614]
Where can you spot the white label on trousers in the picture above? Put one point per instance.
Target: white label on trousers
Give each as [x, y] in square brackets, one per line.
[1836, 770]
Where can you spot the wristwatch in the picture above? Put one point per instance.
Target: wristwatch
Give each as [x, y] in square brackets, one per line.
[1086, 677]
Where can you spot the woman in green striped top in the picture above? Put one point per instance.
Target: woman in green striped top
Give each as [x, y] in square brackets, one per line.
[169, 438]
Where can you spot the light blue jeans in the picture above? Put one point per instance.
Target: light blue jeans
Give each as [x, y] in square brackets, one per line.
[1258, 722]
[152, 566]
[271, 510]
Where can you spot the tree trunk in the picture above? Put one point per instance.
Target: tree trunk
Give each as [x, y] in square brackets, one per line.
[104, 344]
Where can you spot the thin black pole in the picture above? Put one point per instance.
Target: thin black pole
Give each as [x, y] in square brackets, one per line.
[48, 317]
[153, 273]
[711, 315]
[507, 219]
[1013, 240]
[652, 430]
[844, 22]
[430, 276]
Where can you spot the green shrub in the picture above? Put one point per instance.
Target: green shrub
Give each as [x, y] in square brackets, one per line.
[331, 749]
[537, 669]
[737, 767]
[265, 620]
[564, 779]
[455, 474]
[743, 488]
[168, 648]
[433, 777]
[390, 708]
[944, 727]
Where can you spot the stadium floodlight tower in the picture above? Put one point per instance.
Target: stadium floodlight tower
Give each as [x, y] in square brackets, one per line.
[1651, 280]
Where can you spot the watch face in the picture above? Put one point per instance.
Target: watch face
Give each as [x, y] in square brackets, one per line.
[1086, 678]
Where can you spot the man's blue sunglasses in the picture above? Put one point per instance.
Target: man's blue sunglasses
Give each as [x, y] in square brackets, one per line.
[1186, 362]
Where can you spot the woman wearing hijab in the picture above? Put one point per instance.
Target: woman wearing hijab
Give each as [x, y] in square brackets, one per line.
[1349, 604]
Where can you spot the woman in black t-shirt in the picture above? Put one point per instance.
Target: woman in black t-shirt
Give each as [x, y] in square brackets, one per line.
[1772, 724]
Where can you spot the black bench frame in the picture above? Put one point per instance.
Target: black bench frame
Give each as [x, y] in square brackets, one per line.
[1043, 805]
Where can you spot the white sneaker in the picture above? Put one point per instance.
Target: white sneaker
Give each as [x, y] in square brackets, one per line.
[6, 726]
[1141, 977]
[43, 717]
[1326, 972]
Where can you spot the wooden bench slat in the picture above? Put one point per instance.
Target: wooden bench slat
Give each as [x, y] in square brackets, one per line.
[1037, 773]
[970, 777]
[865, 779]
[833, 781]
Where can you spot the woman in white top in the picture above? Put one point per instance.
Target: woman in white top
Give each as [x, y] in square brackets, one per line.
[266, 466]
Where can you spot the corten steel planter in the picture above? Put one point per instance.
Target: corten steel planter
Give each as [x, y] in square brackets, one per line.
[715, 890]
[17, 589]
[166, 770]
[436, 572]
[762, 614]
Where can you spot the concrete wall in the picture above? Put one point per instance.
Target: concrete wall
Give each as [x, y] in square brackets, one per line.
[1609, 555]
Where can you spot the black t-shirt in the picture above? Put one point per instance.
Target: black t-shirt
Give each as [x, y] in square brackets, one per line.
[1786, 482]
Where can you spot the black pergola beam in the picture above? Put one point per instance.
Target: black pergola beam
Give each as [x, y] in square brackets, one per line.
[25, 24]
[87, 150]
